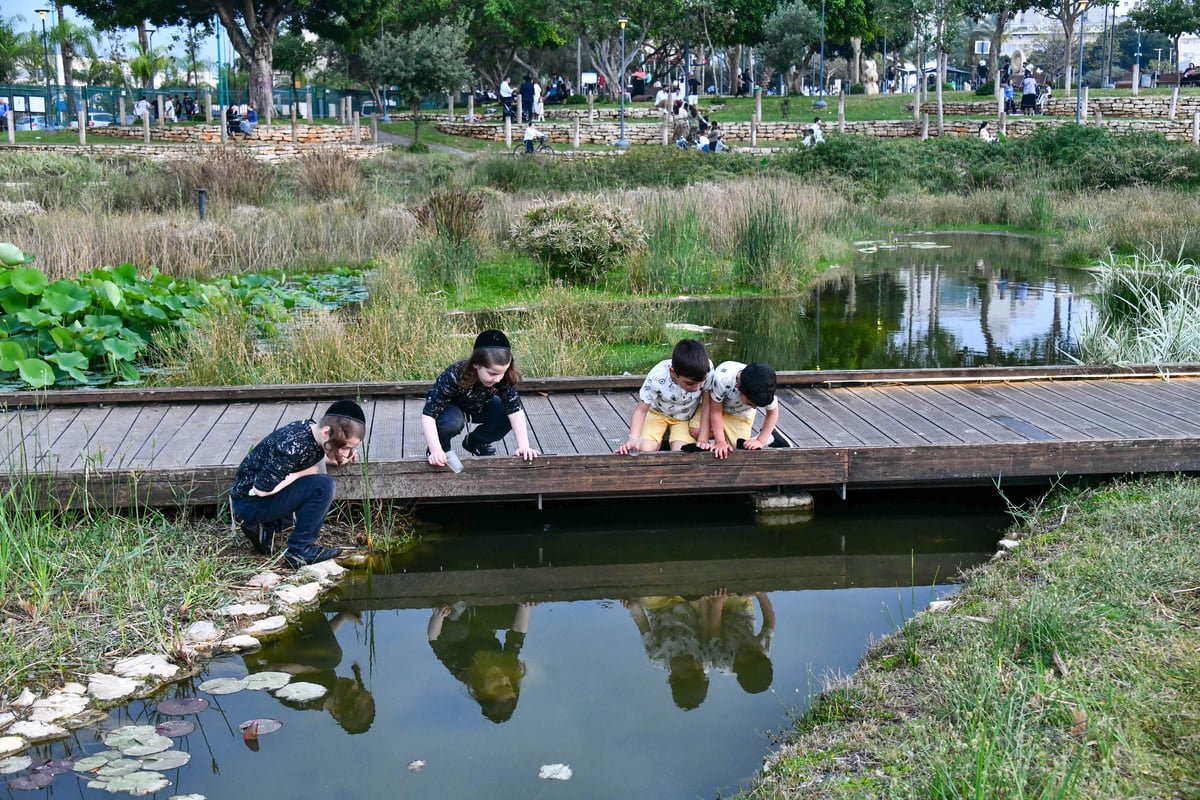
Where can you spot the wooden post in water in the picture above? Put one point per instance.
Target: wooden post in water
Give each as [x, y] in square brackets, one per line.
[1174, 103]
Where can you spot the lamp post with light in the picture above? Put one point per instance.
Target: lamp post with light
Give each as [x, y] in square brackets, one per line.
[821, 89]
[1079, 86]
[42, 12]
[622, 142]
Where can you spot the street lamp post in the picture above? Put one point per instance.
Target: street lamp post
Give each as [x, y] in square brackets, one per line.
[384, 116]
[1138, 55]
[622, 142]
[1079, 83]
[821, 88]
[42, 12]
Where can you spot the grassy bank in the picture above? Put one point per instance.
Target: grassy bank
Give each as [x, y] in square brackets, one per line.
[79, 590]
[1066, 668]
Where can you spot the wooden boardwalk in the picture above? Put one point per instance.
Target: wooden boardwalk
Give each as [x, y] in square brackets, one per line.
[844, 430]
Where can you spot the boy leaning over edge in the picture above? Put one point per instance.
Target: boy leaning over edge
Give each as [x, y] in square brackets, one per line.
[735, 391]
[669, 398]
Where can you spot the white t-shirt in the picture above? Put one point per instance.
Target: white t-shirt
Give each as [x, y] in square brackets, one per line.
[505, 89]
[666, 396]
[722, 385]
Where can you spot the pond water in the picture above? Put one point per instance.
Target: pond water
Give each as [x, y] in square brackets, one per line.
[914, 301]
[652, 648]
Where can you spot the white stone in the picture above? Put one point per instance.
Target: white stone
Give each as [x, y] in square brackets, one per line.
[202, 631]
[792, 501]
[298, 594]
[25, 699]
[268, 625]
[37, 731]
[941, 605]
[110, 687]
[245, 610]
[144, 666]
[264, 580]
[322, 570]
[74, 688]
[1008, 544]
[12, 744]
[240, 642]
[6, 717]
[57, 706]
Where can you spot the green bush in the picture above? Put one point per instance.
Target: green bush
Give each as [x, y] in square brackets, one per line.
[578, 240]
[857, 88]
[575, 100]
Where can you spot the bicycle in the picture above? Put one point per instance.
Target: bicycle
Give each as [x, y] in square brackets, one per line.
[541, 146]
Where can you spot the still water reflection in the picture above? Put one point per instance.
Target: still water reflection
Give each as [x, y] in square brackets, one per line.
[651, 648]
[921, 301]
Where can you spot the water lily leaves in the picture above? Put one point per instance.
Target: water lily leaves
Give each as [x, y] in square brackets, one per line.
[261, 726]
[269, 681]
[115, 769]
[301, 692]
[137, 783]
[28, 280]
[55, 766]
[92, 763]
[36, 373]
[179, 706]
[175, 728]
[223, 685]
[137, 740]
[15, 764]
[171, 759]
[34, 780]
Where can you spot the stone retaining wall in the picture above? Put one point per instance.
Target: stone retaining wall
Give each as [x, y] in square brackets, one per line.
[1143, 107]
[270, 153]
[211, 134]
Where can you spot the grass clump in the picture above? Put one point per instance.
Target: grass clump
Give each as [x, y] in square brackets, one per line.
[1066, 669]
[1147, 312]
[579, 240]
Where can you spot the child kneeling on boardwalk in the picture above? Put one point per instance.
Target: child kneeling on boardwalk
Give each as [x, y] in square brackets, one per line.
[734, 393]
[284, 476]
[482, 388]
[669, 398]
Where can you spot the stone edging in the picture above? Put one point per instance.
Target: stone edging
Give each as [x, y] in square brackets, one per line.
[262, 611]
[270, 153]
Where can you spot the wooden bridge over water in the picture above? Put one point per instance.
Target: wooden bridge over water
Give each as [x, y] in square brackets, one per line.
[844, 430]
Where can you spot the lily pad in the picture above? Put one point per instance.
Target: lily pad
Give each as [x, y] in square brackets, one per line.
[149, 748]
[270, 681]
[93, 763]
[138, 783]
[178, 706]
[171, 759]
[175, 728]
[264, 726]
[115, 769]
[129, 735]
[15, 764]
[34, 780]
[223, 685]
[301, 692]
[55, 766]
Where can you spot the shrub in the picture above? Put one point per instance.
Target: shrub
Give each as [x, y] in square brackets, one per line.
[579, 241]
[857, 88]
[575, 100]
[325, 175]
[452, 216]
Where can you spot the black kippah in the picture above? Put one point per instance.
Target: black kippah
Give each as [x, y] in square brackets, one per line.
[348, 409]
[492, 338]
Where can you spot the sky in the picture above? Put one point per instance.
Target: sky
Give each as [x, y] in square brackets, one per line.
[162, 38]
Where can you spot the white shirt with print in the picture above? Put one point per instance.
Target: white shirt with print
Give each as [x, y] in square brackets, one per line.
[722, 384]
[666, 396]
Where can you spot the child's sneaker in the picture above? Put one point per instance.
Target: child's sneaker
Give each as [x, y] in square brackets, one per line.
[478, 448]
[259, 537]
[312, 555]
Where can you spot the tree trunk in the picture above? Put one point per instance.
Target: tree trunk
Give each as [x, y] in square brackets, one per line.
[856, 59]
[941, 79]
[994, 55]
[144, 43]
[66, 46]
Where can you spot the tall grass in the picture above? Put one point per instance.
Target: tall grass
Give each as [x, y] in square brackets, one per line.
[1148, 312]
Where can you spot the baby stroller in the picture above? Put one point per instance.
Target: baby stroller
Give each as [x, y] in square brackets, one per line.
[1043, 100]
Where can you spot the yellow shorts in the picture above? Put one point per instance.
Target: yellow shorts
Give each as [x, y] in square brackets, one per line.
[737, 426]
[657, 424]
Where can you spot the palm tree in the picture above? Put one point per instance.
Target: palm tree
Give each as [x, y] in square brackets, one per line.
[146, 64]
[73, 40]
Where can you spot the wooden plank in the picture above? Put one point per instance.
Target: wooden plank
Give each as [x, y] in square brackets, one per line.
[1181, 394]
[822, 417]
[1085, 406]
[264, 418]
[27, 432]
[217, 447]
[1014, 408]
[74, 441]
[180, 448]
[1148, 405]
[956, 402]
[545, 428]
[889, 429]
[115, 440]
[385, 431]
[886, 399]
[586, 435]
[793, 426]
[414, 436]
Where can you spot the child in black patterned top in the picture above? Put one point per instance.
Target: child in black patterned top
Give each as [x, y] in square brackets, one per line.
[284, 475]
[483, 389]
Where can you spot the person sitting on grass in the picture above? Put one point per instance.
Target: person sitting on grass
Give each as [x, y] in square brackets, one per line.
[284, 477]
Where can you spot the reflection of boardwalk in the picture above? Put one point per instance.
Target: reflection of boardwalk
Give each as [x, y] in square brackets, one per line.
[846, 429]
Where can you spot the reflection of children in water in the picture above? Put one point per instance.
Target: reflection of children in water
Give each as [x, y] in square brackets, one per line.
[464, 640]
[731, 643]
[670, 628]
[311, 652]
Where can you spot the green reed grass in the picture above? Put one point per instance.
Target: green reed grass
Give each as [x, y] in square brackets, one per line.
[1148, 312]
